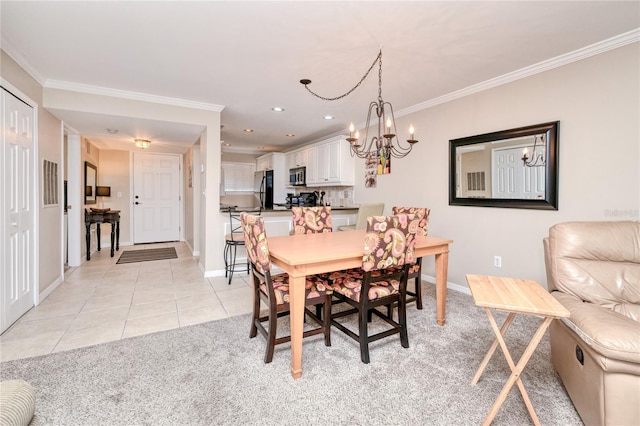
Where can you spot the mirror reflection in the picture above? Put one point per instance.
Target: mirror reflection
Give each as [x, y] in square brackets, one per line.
[511, 168]
[90, 179]
[497, 169]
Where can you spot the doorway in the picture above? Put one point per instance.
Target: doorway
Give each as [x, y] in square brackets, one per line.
[19, 207]
[157, 199]
[512, 179]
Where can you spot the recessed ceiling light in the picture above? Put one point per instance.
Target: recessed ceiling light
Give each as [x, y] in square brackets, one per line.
[226, 144]
[328, 117]
[112, 131]
[248, 130]
[290, 135]
[277, 109]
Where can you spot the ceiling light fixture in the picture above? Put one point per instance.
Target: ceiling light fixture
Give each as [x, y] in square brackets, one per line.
[382, 143]
[143, 143]
[277, 109]
[326, 117]
[537, 156]
[289, 135]
[248, 130]
[112, 131]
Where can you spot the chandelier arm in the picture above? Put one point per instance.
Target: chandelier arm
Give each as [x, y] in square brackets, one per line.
[307, 82]
[537, 159]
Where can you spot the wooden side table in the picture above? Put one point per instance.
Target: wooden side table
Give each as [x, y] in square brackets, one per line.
[98, 217]
[516, 296]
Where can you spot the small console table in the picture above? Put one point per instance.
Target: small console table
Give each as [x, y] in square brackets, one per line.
[98, 217]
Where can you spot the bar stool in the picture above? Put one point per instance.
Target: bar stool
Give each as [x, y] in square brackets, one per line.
[232, 241]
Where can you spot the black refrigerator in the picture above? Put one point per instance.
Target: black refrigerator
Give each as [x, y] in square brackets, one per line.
[263, 188]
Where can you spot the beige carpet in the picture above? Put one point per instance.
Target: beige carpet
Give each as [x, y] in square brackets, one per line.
[213, 374]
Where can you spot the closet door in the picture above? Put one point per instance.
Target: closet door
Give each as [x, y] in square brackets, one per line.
[18, 210]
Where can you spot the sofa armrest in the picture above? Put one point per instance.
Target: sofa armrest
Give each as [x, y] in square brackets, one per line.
[609, 333]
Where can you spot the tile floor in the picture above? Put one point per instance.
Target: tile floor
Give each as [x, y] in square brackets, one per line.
[100, 302]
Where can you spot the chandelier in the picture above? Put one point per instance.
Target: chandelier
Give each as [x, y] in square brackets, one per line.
[143, 143]
[537, 158]
[383, 141]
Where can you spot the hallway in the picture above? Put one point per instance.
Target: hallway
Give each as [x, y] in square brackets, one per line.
[101, 302]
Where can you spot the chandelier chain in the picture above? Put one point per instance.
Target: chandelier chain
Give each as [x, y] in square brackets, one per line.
[378, 58]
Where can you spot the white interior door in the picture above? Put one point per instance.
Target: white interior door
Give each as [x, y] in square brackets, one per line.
[512, 179]
[18, 209]
[156, 198]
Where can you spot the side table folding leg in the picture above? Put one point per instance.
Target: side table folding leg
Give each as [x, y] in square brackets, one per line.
[514, 296]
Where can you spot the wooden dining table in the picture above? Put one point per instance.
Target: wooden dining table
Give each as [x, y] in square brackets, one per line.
[307, 254]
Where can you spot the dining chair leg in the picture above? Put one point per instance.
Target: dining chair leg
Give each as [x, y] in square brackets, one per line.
[271, 335]
[364, 340]
[402, 320]
[326, 320]
[418, 292]
[256, 312]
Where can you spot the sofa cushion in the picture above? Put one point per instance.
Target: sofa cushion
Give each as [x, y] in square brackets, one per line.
[598, 262]
[609, 333]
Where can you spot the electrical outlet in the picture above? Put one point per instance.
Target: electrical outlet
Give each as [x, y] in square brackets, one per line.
[497, 261]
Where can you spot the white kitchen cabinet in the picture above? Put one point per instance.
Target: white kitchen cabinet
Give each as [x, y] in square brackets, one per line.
[264, 162]
[311, 156]
[334, 163]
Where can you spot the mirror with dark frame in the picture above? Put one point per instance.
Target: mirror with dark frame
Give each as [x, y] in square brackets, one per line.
[90, 181]
[516, 168]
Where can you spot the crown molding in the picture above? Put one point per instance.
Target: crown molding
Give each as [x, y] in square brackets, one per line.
[136, 96]
[612, 43]
[20, 60]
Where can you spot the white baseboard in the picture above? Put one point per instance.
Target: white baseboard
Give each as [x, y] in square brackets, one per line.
[40, 297]
[453, 286]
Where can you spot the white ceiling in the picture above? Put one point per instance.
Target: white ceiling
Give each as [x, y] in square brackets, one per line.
[250, 56]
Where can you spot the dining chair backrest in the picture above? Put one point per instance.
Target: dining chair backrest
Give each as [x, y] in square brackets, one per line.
[311, 220]
[422, 216]
[367, 210]
[389, 241]
[255, 241]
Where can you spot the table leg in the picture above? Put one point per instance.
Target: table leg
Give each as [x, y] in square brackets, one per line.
[442, 264]
[113, 235]
[98, 235]
[118, 235]
[516, 370]
[492, 349]
[88, 240]
[296, 307]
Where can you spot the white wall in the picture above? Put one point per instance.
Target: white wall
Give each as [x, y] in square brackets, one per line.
[596, 101]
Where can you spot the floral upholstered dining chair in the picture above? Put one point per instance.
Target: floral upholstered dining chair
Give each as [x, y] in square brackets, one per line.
[388, 252]
[273, 290]
[421, 222]
[311, 220]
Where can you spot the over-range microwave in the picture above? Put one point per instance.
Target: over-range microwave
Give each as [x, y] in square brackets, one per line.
[298, 176]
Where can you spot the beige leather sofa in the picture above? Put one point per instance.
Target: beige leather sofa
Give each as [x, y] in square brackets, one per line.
[593, 269]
